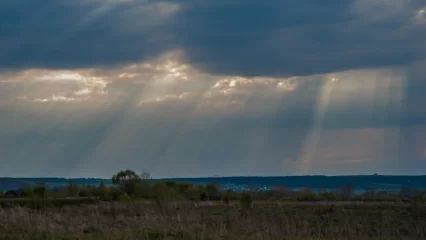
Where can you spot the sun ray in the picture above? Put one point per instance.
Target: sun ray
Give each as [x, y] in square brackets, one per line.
[314, 134]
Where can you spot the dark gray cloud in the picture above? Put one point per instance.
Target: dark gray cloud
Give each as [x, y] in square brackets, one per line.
[267, 38]
[78, 34]
[301, 37]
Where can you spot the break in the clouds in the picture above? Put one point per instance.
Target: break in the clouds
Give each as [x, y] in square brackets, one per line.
[196, 88]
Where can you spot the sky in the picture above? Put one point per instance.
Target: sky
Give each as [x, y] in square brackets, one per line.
[195, 88]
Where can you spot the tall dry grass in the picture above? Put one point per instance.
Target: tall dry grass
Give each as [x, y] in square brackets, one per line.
[189, 220]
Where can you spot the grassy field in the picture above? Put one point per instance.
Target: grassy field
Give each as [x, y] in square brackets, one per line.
[215, 220]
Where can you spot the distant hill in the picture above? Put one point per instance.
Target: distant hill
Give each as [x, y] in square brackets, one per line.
[7, 184]
[359, 183]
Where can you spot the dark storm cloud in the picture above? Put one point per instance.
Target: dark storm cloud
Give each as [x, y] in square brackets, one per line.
[301, 37]
[78, 34]
[269, 38]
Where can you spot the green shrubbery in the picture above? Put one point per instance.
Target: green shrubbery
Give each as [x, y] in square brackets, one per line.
[329, 196]
[307, 195]
[129, 186]
[246, 200]
[73, 189]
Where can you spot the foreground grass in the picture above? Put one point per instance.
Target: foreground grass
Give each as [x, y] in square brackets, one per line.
[189, 220]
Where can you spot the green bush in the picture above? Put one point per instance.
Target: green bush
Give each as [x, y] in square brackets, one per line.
[246, 200]
[231, 195]
[159, 190]
[40, 192]
[87, 191]
[184, 187]
[286, 199]
[228, 196]
[328, 196]
[171, 184]
[142, 189]
[226, 199]
[307, 195]
[28, 193]
[102, 190]
[125, 198]
[420, 197]
[192, 193]
[114, 193]
[212, 191]
[73, 189]
[203, 196]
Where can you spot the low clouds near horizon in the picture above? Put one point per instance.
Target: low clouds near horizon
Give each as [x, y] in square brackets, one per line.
[190, 88]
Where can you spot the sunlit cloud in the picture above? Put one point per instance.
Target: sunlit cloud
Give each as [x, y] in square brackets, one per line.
[288, 85]
[169, 97]
[128, 75]
[421, 15]
[334, 79]
[55, 98]
[40, 85]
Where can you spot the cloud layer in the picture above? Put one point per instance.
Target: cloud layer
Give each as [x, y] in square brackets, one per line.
[245, 38]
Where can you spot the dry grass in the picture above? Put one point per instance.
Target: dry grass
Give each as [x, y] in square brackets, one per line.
[189, 220]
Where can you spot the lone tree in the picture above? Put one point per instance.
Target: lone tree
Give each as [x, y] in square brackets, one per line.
[125, 176]
[127, 179]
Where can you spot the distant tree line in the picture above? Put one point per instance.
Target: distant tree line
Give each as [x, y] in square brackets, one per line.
[130, 186]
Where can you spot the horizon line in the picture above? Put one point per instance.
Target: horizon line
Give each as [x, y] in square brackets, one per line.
[235, 176]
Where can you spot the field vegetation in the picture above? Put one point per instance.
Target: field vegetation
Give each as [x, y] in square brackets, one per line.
[137, 207]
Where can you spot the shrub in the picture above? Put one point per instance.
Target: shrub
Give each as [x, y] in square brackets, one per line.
[346, 192]
[171, 184]
[225, 199]
[231, 195]
[40, 192]
[114, 193]
[73, 189]
[142, 189]
[83, 193]
[307, 195]
[125, 198]
[88, 191]
[420, 197]
[328, 196]
[159, 190]
[184, 187]
[203, 196]
[192, 193]
[246, 200]
[212, 191]
[171, 194]
[29, 193]
[102, 190]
